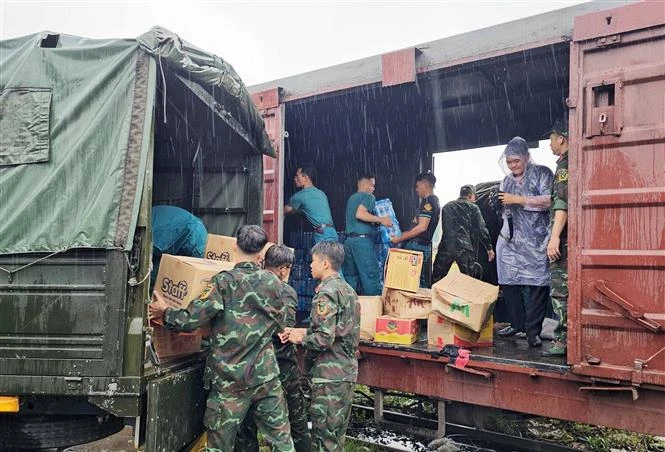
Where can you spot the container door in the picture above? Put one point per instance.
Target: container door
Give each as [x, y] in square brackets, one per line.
[617, 195]
[273, 168]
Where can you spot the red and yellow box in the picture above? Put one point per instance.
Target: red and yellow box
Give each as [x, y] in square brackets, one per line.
[442, 331]
[392, 330]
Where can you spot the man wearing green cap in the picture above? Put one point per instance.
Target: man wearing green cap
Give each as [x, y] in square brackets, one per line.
[557, 247]
[463, 230]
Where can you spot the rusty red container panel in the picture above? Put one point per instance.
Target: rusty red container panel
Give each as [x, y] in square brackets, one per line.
[617, 195]
[398, 67]
[268, 103]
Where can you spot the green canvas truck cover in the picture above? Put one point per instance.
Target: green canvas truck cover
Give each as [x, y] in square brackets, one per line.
[75, 125]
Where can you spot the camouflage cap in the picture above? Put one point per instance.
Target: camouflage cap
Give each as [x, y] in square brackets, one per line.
[560, 126]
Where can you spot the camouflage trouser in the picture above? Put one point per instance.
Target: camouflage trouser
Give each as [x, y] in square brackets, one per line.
[559, 291]
[330, 411]
[246, 441]
[225, 411]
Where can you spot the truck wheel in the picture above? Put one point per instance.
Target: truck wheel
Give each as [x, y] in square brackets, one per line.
[47, 432]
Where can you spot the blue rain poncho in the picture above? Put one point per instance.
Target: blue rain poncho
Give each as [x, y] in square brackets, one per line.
[522, 248]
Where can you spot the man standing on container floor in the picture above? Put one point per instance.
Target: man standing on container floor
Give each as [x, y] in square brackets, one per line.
[244, 306]
[419, 237]
[360, 264]
[557, 247]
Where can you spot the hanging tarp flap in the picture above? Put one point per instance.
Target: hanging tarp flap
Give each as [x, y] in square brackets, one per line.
[228, 95]
[77, 185]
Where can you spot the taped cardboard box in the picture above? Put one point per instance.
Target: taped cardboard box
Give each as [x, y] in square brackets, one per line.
[370, 309]
[442, 331]
[392, 330]
[407, 305]
[220, 248]
[180, 280]
[170, 345]
[464, 299]
[403, 269]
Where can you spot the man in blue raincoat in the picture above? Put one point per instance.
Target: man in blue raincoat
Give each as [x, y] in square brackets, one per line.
[175, 231]
[522, 263]
[314, 204]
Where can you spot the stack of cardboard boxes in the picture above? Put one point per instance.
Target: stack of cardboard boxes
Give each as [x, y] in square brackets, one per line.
[180, 280]
[457, 310]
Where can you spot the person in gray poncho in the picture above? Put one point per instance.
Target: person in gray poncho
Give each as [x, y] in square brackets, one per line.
[521, 249]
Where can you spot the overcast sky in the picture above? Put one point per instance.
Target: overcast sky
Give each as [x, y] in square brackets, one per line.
[269, 40]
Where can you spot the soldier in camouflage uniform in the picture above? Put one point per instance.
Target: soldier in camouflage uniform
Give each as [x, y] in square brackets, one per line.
[278, 260]
[463, 230]
[245, 308]
[557, 248]
[332, 342]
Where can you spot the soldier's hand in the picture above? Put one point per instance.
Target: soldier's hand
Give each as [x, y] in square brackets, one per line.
[157, 307]
[508, 199]
[490, 255]
[386, 221]
[394, 240]
[284, 335]
[296, 335]
[553, 249]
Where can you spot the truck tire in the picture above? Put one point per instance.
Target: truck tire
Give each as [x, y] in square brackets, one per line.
[34, 432]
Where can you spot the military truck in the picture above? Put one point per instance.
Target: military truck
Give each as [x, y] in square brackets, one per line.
[95, 132]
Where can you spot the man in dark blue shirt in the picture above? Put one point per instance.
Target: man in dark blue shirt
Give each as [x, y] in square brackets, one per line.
[419, 237]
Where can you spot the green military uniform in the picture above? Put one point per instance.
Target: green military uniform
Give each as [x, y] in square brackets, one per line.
[463, 228]
[331, 343]
[289, 376]
[360, 264]
[314, 204]
[245, 308]
[559, 268]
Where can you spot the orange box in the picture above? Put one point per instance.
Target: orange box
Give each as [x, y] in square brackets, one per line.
[403, 269]
[407, 305]
[392, 330]
[442, 331]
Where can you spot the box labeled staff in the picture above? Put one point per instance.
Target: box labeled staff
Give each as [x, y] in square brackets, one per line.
[220, 248]
[464, 300]
[407, 305]
[392, 330]
[403, 268]
[370, 309]
[180, 280]
[442, 331]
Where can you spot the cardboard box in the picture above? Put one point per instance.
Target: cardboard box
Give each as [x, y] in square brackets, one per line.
[403, 269]
[442, 331]
[170, 345]
[370, 309]
[180, 280]
[464, 299]
[220, 248]
[396, 331]
[407, 305]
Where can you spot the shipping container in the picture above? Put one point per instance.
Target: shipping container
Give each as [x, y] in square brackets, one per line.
[388, 114]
